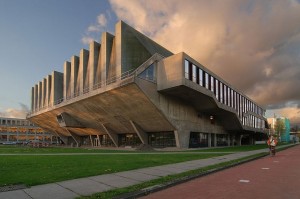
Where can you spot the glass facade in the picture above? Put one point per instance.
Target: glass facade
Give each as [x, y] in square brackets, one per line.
[129, 140]
[198, 140]
[222, 139]
[149, 73]
[249, 113]
[162, 139]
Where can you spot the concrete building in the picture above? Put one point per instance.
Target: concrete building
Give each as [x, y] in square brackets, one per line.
[14, 130]
[129, 91]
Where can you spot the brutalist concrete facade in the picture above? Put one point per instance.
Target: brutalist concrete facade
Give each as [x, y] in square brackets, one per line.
[129, 90]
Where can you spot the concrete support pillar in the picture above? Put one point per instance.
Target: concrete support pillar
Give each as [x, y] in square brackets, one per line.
[113, 136]
[228, 139]
[49, 90]
[140, 132]
[83, 77]
[209, 139]
[239, 139]
[75, 137]
[182, 138]
[67, 78]
[62, 137]
[93, 64]
[74, 75]
[57, 86]
[91, 139]
[215, 139]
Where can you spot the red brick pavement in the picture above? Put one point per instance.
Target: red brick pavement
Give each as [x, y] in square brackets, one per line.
[267, 178]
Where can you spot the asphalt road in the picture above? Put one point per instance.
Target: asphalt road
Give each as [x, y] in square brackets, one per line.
[275, 177]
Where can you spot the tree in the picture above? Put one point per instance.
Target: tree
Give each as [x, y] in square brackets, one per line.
[279, 127]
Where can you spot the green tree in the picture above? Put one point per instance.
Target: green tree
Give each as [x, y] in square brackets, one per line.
[279, 128]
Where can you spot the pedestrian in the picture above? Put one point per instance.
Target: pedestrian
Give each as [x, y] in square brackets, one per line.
[272, 142]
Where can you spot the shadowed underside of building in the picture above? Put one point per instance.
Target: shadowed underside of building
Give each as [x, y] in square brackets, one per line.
[129, 91]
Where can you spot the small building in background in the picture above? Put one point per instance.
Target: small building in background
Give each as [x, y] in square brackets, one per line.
[19, 131]
[285, 132]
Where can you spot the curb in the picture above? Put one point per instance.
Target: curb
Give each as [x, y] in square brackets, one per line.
[159, 187]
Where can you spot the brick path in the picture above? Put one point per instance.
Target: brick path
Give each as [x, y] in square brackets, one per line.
[270, 177]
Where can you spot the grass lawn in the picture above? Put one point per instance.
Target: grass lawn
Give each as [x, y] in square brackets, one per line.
[36, 167]
[34, 170]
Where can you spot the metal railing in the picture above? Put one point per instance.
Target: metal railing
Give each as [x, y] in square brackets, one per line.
[87, 90]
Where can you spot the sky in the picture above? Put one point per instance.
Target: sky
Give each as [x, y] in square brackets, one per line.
[252, 44]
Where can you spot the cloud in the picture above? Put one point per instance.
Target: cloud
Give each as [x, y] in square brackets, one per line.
[252, 44]
[87, 39]
[99, 26]
[16, 113]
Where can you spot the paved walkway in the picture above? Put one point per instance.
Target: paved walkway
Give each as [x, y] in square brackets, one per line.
[275, 177]
[89, 185]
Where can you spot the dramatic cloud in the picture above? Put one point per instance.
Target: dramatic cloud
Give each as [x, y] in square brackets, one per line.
[99, 26]
[15, 113]
[253, 44]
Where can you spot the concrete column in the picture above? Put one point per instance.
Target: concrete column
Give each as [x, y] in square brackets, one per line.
[75, 137]
[32, 99]
[182, 138]
[215, 139]
[228, 139]
[140, 132]
[113, 136]
[36, 97]
[48, 90]
[83, 75]
[74, 75]
[107, 58]
[239, 139]
[44, 89]
[209, 139]
[40, 95]
[57, 86]
[67, 78]
[93, 63]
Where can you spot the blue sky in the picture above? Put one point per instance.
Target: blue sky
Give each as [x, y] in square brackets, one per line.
[36, 37]
[252, 44]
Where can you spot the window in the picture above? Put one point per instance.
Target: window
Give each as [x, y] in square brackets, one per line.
[221, 92]
[162, 139]
[222, 140]
[148, 73]
[225, 94]
[217, 89]
[198, 140]
[206, 81]
[212, 80]
[186, 69]
[201, 77]
[194, 75]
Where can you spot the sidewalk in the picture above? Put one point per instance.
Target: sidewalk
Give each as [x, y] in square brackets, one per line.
[87, 186]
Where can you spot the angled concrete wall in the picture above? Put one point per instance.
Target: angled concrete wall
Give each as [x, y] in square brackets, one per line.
[74, 75]
[44, 90]
[106, 51]
[83, 76]
[57, 86]
[67, 80]
[93, 64]
[49, 90]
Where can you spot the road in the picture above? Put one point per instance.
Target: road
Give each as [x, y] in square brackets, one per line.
[275, 177]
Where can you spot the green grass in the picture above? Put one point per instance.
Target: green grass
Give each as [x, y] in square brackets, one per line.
[34, 170]
[166, 179]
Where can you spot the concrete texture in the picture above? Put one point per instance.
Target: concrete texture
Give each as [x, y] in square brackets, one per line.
[14, 195]
[103, 89]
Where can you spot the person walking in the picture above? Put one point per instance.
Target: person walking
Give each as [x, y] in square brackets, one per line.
[272, 142]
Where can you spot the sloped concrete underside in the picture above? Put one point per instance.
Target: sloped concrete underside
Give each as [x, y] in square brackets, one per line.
[206, 104]
[114, 109]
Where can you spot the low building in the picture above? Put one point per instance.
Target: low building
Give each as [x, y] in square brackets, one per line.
[14, 130]
[285, 134]
[129, 91]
